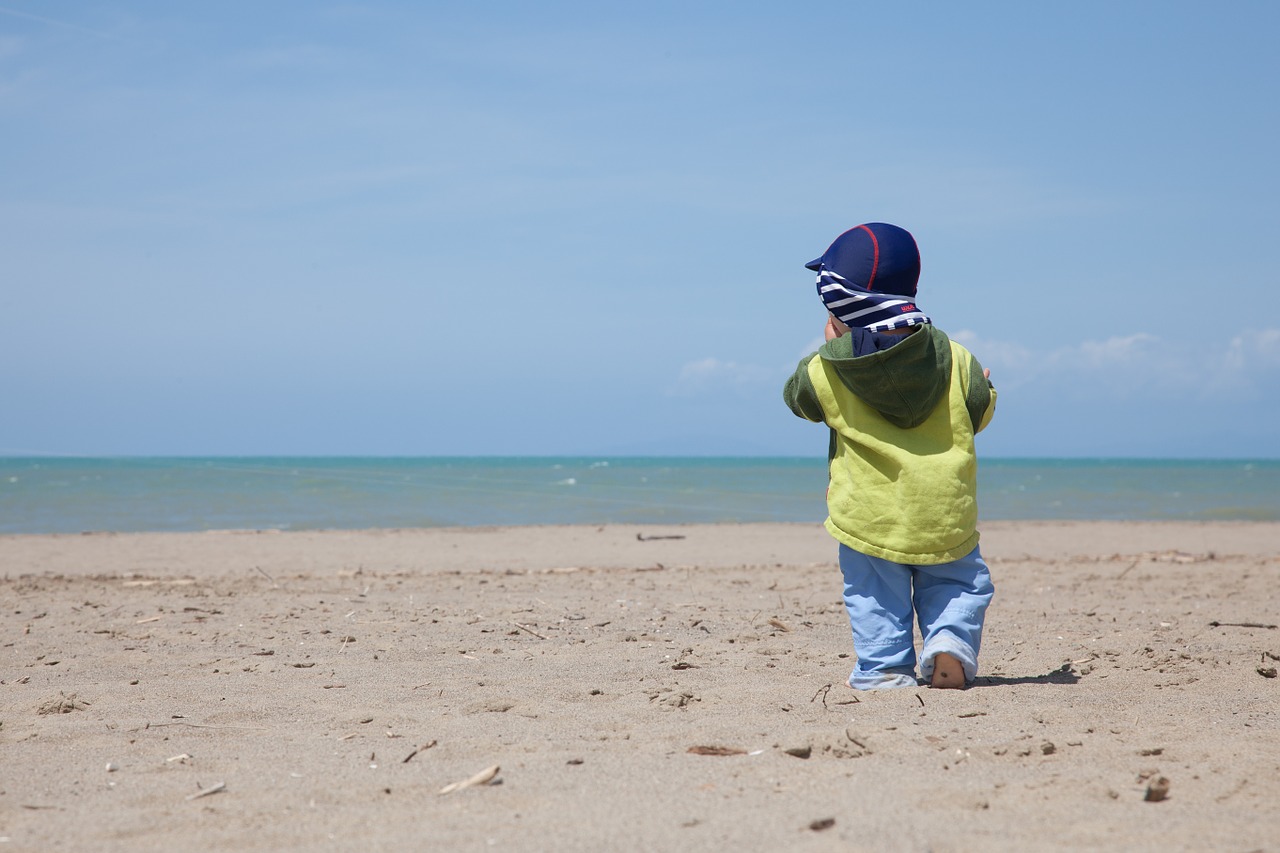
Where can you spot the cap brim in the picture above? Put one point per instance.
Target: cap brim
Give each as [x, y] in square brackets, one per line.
[815, 264]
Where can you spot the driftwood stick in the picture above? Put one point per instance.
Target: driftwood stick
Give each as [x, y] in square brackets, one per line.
[529, 630]
[212, 789]
[483, 777]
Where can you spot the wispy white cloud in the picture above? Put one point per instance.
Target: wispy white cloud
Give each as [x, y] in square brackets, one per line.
[712, 374]
[1254, 351]
[1199, 366]
[1123, 350]
[1119, 368]
[998, 355]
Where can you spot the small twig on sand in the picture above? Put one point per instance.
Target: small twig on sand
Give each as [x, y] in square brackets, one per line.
[640, 537]
[823, 691]
[212, 789]
[529, 630]
[483, 777]
[199, 726]
[422, 748]
[716, 750]
[1216, 624]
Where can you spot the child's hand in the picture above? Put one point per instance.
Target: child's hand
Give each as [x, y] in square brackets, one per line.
[830, 332]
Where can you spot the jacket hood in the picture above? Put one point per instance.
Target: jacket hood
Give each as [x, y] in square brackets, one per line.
[903, 379]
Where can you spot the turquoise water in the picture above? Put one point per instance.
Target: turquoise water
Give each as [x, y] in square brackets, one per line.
[69, 495]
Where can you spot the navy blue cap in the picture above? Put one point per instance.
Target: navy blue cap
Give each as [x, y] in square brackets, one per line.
[876, 256]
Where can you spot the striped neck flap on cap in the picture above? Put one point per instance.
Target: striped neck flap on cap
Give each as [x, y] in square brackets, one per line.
[857, 306]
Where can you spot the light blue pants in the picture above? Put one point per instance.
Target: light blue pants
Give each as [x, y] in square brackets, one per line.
[948, 600]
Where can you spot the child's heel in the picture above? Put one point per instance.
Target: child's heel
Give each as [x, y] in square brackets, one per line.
[947, 672]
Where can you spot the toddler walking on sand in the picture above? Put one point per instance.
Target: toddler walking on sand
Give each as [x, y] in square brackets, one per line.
[903, 402]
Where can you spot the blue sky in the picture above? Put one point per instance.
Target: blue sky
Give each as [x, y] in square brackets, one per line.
[580, 228]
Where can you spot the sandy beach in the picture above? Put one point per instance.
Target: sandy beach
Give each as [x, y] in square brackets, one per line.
[636, 687]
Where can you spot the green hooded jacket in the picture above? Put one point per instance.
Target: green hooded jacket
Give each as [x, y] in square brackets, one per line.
[902, 460]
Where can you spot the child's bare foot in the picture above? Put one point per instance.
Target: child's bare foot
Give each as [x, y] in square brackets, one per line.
[947, 672]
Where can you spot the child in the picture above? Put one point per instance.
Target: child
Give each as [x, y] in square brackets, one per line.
[903, 402]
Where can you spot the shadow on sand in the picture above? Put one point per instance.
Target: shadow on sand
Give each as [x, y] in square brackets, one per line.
[1062, 675]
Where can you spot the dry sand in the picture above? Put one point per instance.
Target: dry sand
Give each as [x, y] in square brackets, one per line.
[263, 691]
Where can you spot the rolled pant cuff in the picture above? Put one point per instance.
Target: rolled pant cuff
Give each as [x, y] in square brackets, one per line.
[950, 644]
[881, 680]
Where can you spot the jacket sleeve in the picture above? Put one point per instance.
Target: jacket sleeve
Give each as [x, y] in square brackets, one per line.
[980, 397]
[800, 395]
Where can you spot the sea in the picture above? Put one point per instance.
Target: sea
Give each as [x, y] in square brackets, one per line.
[134, 494]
